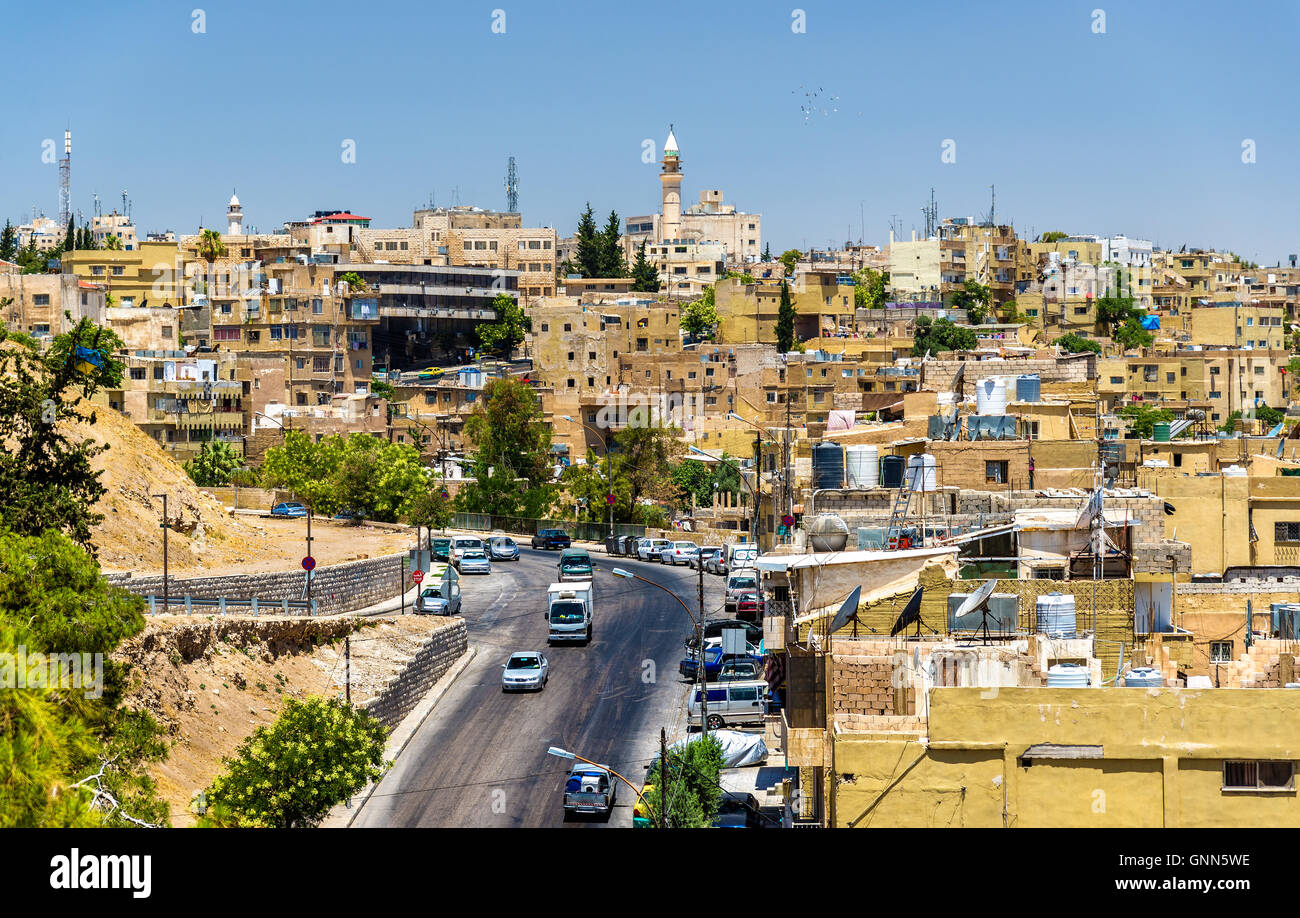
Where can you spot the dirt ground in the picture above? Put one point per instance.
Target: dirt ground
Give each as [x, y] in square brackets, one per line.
[203, 537]
[212, 683]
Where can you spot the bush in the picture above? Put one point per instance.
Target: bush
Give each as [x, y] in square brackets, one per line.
[1077, 344]
[318, 753]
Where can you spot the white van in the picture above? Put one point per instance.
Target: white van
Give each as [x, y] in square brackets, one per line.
[741, 555]
[731, 702]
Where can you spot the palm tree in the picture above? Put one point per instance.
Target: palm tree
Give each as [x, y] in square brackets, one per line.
[112, 243]
[210, 245]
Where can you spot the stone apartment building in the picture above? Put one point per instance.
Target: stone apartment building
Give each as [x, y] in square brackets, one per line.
[37, 303]
[748, 313]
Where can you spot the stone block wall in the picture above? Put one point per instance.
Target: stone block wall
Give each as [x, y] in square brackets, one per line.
[431, 662]
[336, 588]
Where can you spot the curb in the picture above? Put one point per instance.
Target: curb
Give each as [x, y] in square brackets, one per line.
[410, 725]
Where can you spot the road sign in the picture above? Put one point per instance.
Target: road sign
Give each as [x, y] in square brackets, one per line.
[308, 563]
[609, 499]
[787, 521]
[417, 576]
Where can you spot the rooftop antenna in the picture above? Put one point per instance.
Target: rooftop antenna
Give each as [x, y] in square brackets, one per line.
[96, 197]
[512, 188]
[993, 207]
[65, 180]
[124, 202]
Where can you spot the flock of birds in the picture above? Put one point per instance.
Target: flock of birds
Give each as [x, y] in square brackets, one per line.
[813, 100]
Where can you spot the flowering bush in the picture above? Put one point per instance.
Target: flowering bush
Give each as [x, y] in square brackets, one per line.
[319, 752]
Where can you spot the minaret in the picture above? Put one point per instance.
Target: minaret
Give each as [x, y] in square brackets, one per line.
[234, 218]
[670, 226]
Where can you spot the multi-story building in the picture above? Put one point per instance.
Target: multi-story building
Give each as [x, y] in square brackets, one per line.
[1237, 324]
[42, 232]
[114, 224]
[151, 274]
[748, 312]
[39, 304]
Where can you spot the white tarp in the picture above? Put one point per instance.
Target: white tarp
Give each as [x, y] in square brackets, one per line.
[738, 749]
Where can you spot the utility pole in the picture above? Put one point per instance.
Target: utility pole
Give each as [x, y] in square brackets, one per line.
[663, 778]
[704, 680]
[309, 514]
[166, 584]
[347, 668]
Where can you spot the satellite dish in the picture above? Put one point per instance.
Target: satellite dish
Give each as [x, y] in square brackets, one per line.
[911, 615]
[977, 600]
[847, 610]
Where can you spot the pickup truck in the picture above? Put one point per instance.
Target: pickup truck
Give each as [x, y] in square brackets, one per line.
[569, 611]
[575, 564]
[715, 661]
[589, 789]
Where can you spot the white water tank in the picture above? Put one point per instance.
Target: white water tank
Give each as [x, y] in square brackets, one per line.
[1067, 675]
[862, 466]
[991, 396]
[922, 472]
[1010, 383]
[1055, 614]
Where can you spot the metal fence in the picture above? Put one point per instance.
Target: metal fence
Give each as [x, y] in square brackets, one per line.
[519, 525]
[222, 603]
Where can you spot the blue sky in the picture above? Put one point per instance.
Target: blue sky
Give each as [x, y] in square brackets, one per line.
[1138, 130]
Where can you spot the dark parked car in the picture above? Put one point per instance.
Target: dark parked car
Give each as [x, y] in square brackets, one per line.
[289, 508]
[714, 659]
[739, 810]
[441, 549]
[753, 633]
[551, 538]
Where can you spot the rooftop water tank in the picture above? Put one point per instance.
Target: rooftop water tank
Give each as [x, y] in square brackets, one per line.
[922, 472]
[1010, 383]
[1160, 432]
[1054, 615]
[862, 466]
[827, 532]
[991, 396]
[1067, 675]
[891, 471]
[828, 466]
[1029, 388]
[1144, 677]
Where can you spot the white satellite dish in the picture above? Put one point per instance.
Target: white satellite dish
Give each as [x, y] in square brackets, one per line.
[847, 610]
[977, 600]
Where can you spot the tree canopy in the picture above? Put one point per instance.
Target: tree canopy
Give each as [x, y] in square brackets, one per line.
[785, 316]
[941, 335]
[512, 453]
[1077, 344]
[501, 337]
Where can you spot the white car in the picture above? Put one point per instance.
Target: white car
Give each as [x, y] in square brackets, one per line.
[650, 549]
[460, 544]
[678, 553]
[525, 671]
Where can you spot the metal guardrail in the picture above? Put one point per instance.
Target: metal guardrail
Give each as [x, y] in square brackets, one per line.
[223, 603]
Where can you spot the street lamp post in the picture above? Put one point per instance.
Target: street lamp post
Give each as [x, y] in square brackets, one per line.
[166, 579]
[566, 754]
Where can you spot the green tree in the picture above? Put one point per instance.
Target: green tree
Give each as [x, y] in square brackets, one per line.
[767, 252]
[210, 246]
[429, 508]
[1052, 236]
[939, 336]
[512, 460]
[1077, 344]
[1269, 417]
[354, 280]
[612, 261]
[8, 242]
[700, 480]
[785, 316]
[289, 775]
[789, 258]
[1132, 335]
[589, 248]
[1142, 418]
[699, 318]
[69, 239]
[1114, 308]
[213, 465]
[645, 276]
[508, 332]
[976, 299]
[693, 789]
[870, 292]
[46, 477]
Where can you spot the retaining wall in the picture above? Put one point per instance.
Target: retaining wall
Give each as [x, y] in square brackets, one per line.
[436, 655]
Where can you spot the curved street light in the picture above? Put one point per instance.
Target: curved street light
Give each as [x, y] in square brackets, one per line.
[566, 754]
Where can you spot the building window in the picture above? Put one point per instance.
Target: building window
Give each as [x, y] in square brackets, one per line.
[1258, 775]
[995, 471]
[1286, 532]
[1049, 573]
[1221, 651]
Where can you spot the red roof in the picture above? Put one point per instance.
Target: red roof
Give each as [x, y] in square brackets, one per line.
[340, 217]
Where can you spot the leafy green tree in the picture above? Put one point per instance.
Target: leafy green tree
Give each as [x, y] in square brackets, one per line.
[8, 242]
[512, 460]
[870, 292]
[1114, 308]
[429, 508]
[1132, 335]
[694, 793]
[46, 477]
[69, 240]
[699, 318]
[939, 336]
[301, 466]
[354, 280]
[612, 261]
[789, 258]
[1269, 417]
[383, 389]
[1052, 236]
[785, 316]
[210, 246]
[700, 480]
[213, 465]
[976, 299]
[508, 332]
[645, 276]
[1143, 417]
[318, 753]
[1077, 344]
[767, 252]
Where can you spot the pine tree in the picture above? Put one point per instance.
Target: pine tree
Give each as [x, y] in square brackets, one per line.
[588, 250]
[69, 240]
[767, 252]
[645, 275]
[8, 242]
[612, 261]
[785, 321]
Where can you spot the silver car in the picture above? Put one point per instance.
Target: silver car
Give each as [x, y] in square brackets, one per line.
[702, 556]
[502, 548]
[525, 671]
[473, 561]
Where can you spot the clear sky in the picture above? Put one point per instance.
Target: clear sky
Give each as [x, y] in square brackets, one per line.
[1136, 130]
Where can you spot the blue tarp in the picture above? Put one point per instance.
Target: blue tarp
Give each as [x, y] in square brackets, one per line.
[1151, 322]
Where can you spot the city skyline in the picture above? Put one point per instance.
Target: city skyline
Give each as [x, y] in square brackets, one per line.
[771, 118]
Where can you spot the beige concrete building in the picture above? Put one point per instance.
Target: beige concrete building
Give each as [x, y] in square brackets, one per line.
[38, 302]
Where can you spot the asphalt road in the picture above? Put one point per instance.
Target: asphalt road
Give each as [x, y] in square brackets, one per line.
[480, 758]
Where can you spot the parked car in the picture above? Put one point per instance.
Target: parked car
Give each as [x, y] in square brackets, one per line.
[714, 661]
[461, 544]
[749, 606]
[650, 549]
[704, 554]
[589, 789]
[730, 703]
[678, 553]
[348, 515]
[441, 593]
[473, 561]
[289, 508]
[713, 632]
[502, 548]
[717, 563]
[743, 581]
[739, 810]
[551, 538]
[525, 671]
[441, 549]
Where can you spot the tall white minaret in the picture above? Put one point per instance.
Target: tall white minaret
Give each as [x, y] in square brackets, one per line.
[234, 218]
[670, 226]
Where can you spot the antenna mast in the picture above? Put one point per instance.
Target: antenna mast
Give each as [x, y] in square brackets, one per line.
[65, 181]
[512, 188]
